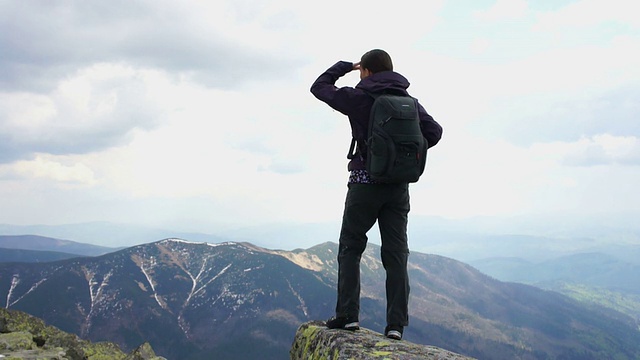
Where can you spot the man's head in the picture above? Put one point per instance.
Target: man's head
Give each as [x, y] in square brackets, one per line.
[375, 61]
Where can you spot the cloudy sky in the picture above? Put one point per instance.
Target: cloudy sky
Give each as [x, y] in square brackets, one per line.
[194, 114]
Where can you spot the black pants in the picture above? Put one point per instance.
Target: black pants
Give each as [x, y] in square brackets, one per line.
[389, 205]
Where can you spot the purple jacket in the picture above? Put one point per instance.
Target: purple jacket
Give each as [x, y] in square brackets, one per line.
[356, 104]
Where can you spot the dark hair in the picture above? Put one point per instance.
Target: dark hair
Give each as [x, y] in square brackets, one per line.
[376, 61]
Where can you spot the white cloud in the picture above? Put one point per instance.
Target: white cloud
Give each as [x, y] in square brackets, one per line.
[60, 170]
[480, 45]
[589, 13]
[201, 110]
[236, 149]
[468, 176]
[44, 44]
[504, 10]
[604, 149]
[559, 94]
[95, 109]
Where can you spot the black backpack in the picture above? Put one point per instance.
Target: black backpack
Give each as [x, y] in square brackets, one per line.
[396, 148]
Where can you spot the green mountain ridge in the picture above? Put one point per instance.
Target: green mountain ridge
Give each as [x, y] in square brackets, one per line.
[592, 278]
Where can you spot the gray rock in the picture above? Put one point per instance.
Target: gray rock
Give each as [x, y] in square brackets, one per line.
[21, 340]
[313, 341]
[143, 352]
[25, 337]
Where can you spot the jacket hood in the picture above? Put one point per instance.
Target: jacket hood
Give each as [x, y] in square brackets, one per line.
[384, 81]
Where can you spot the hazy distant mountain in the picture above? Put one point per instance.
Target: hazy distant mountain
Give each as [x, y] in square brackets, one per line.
[593, 269]
[239, 301]
[629, 253]
[533, 238]
[607, 280]
[465, 239]
[113, 235]
[41, 243]
[19, 255]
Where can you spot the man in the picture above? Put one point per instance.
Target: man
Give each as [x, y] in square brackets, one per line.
[368, 201]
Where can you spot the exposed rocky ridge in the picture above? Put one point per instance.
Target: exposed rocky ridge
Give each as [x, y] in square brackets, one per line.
[23, 336]
[313, 341]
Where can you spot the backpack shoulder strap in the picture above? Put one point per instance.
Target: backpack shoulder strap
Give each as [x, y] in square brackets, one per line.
[353, 148]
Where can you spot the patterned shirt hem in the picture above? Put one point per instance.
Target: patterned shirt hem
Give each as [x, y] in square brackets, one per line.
[360, 177]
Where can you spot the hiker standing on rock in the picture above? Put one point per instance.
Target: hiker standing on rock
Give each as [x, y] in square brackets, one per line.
[376, 190]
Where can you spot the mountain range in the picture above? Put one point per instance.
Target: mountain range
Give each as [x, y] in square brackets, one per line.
[531, 238]
[235, 300]
[43, 243]
[594, 269]
[19, 255]
[612, 281]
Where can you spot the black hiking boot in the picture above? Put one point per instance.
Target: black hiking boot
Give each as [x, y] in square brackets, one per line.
[393, 332]
[346, 323]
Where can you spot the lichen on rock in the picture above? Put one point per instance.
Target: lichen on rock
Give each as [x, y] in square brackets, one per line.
[313, 341]
[20, 340]
[23, 336]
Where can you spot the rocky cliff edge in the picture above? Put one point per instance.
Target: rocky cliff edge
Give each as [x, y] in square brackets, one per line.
[23, 336]
[313, 341]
